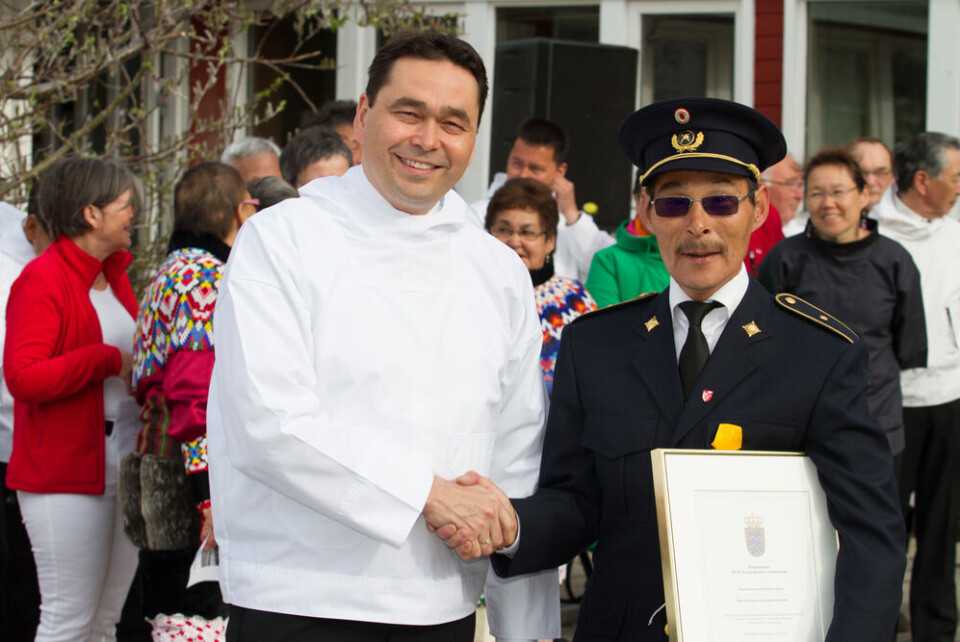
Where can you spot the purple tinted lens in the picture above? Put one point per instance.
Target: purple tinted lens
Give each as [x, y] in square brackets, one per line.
[720, 205]
[671, 206]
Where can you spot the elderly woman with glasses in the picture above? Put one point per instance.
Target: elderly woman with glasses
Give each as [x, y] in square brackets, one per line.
[843, 266]
[523, 214]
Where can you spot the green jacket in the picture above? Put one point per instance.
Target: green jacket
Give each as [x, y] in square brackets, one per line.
[629, 268]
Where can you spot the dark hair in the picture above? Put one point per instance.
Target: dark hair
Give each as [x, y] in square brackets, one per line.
[840, 157]
[540, 131]
[71, 184]
[270, 190]
[525, 194]
[921, 153]
[206, 198]
[333, 114]
[426, 46]
[309, 146]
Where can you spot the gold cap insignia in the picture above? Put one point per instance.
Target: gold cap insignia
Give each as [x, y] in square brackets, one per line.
[751, 329]
[729, 437]
[651, 324]
[687, 141]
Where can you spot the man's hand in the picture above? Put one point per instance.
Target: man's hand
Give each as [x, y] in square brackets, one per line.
[506, 514]
[466, 516]
[566, 199]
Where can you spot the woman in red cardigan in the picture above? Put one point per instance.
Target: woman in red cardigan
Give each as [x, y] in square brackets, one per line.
[67, 362]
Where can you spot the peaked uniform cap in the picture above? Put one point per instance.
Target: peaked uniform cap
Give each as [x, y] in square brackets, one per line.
[707, 134]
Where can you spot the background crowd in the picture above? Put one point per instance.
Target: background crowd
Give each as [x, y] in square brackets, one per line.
[103, 409]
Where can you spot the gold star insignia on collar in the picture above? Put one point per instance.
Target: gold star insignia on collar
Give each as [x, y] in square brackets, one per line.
[751, 329]
[651, 324]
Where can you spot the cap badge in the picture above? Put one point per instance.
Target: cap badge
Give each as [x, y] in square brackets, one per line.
[751, 329]
[651, 323]
[687, 141]
[682, 116]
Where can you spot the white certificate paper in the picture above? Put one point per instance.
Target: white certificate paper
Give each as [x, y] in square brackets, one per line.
[748, 551]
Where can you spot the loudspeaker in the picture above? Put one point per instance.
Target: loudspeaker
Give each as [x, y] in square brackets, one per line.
[586, 88]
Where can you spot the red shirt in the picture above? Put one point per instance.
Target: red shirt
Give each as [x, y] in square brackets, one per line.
[54, 363]
[762, 239]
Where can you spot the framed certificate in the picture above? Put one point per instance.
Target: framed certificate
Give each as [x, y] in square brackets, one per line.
[747, 548]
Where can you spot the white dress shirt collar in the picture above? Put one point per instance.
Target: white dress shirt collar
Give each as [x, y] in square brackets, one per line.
[728, 296]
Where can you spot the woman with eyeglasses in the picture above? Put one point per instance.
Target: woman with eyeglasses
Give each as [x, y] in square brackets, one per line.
[67, 363]
[523, 214]
[843, 266]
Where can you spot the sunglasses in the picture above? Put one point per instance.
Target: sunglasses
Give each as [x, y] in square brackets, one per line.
[714, 205]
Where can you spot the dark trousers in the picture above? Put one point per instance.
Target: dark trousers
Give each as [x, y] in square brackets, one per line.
[248, 625]
[19, 591]
[931, 470]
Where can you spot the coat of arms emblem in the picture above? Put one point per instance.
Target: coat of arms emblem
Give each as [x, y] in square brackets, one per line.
[754, 536]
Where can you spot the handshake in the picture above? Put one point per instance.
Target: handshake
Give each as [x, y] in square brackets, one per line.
[471, 515]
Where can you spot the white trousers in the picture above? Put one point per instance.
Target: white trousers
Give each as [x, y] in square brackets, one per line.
[85, 563]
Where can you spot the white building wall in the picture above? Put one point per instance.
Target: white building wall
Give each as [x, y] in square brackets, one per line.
[621, 24]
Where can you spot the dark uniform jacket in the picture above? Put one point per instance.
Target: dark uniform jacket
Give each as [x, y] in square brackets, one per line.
[792, 386]
[873, 286]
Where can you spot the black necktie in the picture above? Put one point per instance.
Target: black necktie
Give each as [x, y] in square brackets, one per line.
[695, 351]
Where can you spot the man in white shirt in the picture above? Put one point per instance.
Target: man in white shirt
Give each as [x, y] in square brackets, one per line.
[712, 361]
[914, 213]
[540, 152]
[372, 346]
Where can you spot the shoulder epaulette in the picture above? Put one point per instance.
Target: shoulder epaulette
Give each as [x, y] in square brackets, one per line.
[616, 306]
[812, 313]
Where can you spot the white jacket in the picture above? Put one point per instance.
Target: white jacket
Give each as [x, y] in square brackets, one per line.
[360, 352]
[934, 245]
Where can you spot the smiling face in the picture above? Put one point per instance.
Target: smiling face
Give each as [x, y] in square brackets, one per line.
[418, 136]
[835, 204]
[703, 252]
[523, 231]
[117, 220]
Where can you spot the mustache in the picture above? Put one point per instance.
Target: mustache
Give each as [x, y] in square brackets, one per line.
[693, 246]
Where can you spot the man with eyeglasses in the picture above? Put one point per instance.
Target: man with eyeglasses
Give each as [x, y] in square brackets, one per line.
[713, 360]
[876, 162]
[784, 181]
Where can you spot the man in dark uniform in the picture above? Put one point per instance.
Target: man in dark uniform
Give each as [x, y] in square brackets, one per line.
[666, 370]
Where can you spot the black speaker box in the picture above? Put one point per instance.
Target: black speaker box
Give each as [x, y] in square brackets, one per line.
[586, 88]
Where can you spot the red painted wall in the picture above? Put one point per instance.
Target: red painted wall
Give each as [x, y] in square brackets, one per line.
[768, 59]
